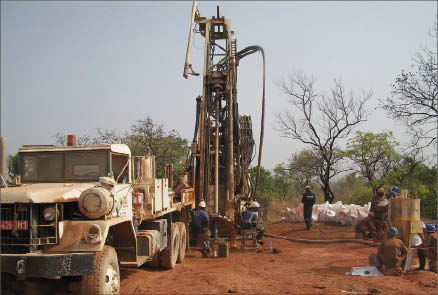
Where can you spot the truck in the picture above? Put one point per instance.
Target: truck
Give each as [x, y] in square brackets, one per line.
[78, 212]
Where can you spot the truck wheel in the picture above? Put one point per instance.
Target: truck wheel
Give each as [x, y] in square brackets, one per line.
[182, 242]
[155, 262]
[106, 279]
[170, 254]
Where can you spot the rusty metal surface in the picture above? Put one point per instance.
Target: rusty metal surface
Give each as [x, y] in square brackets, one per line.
[43, 265]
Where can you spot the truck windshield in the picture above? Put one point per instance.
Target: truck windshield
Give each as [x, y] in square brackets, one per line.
[64, 166]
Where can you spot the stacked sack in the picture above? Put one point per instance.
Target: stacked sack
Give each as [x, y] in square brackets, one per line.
[337, 213]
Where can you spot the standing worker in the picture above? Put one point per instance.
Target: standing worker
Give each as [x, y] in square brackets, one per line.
[429, 249]
[200, 228]
[250, 221]
[308, 200]
[391, 255]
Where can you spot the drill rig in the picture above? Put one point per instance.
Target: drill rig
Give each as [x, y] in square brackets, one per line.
[223, 144]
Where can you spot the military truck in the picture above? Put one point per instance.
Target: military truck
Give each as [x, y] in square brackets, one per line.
[78, 212]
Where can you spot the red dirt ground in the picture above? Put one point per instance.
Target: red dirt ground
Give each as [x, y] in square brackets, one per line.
[298, 269]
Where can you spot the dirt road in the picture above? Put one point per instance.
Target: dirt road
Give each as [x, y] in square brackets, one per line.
[297, 269]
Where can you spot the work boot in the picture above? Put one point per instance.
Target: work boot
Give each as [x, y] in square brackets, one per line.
[260, 242]
[422, 261]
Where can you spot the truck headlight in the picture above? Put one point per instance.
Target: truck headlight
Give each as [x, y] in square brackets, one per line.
[49, 213]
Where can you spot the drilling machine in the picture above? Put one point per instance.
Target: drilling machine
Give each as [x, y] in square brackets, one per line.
[223, 144]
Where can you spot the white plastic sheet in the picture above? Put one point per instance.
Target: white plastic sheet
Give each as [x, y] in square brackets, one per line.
[366, 271]
[337, 213]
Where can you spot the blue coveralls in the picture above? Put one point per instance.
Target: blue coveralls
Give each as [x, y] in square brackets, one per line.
[308, 200]
[250, 221]
[201, 230]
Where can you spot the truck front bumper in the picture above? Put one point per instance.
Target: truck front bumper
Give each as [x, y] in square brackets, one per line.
[48, 265]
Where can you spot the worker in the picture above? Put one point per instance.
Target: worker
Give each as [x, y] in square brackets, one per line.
[308, 200]
[391, 255]
[366, 227]
[200, 228]
[429, 249]
[393, 192]
[377, 198]
[250, 220]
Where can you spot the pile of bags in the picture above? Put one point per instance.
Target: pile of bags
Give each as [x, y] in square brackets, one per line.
[337, 212]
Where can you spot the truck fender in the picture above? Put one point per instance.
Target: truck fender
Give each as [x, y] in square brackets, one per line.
[89, 235]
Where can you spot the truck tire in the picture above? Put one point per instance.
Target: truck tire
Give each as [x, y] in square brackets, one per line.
[155, 262]
[106, 279]
[182, 242]
[170, 253]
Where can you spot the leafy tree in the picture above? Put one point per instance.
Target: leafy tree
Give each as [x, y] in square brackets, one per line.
[284, 184]
[304, 167]
[413, 99]
[374, 154]
[12, 167]
[319, 120]
[266, 186]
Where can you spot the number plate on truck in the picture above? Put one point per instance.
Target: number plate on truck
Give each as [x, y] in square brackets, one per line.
[11, 225]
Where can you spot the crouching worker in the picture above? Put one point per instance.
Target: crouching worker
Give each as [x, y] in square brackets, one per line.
[429, 249]
[200, 228]
[250, 220]
[390, 256]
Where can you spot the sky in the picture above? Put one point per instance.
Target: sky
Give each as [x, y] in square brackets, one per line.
[73, 67]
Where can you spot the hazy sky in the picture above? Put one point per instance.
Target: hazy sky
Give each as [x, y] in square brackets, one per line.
[72, 67]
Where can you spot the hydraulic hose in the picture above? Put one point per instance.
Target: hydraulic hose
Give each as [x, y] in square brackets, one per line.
[244, 52]
[331, 241]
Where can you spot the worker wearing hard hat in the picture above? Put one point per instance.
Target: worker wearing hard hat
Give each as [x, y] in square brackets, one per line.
[200, 228]
[429, 248]
[308, 200]
[250, 220]
[393, 192]
[391, 254]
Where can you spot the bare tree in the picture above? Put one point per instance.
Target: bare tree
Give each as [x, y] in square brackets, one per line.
[414, 100]
[320, 120]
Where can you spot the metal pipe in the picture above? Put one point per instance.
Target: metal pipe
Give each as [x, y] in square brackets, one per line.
[216, 158]
[3, 160]
[189, 42]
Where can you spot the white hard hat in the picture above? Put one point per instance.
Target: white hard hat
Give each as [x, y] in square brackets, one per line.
[254, 204]
[202, 204]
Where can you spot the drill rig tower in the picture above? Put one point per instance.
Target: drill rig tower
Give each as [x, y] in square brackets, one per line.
[223, 145]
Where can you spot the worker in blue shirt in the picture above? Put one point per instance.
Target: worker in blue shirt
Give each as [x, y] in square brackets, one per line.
[200, 228]
[308, 200]
[393, 192]
[250, 221]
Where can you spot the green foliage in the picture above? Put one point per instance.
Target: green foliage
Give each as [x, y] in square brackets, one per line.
[266, 186]
[12, 167]
[374, 154]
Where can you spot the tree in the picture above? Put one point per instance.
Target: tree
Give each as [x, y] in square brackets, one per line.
[304, 167]
[12, 167]
[266, 186]
[375, 156]
[414, 98]
[319, 120]
[282, 181]
[166, 146]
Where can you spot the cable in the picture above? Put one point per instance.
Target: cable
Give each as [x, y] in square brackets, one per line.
[332, 241]
[241, 54]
